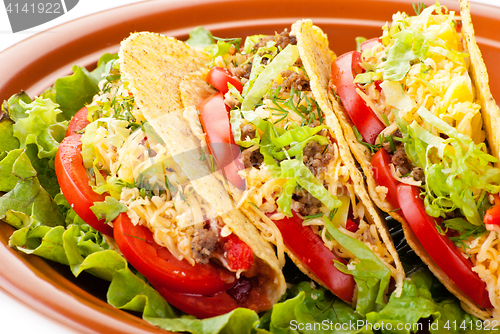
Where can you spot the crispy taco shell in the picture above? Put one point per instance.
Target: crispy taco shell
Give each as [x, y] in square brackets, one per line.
[491, 123]
[316, 57]
[154, 66]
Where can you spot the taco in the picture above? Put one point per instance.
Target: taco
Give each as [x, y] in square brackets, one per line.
[169, 216]
[419, 117]
[262, 113]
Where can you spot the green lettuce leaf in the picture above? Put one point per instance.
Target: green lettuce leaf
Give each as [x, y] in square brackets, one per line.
[417, 302]
[77, 90]
[13, 107]
[7, 179]
[28, 196]
[313, 308]
[7, 140]
[40, 127]
[200, 38]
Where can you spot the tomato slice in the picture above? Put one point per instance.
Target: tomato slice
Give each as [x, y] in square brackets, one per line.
[215, 120]
[370, 43]
[440, 248]
[78, 122]
[219, 78]
[74, 182]
[382, 173]
[161, 268]
[198, 305]
[365, 120]
[311, 250]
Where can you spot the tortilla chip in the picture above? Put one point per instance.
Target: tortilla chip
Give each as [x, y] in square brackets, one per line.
[316, 57]
[154, 65]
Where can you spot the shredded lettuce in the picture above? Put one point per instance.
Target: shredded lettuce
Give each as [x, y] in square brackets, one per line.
[408, 46]
[458, 171]
[298, 174]
[371, 275]
[286, 58]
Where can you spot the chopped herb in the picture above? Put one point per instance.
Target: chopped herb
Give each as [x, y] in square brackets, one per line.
[169, 185]
[299, 103]
[359, 137]
[235, 41]
[332, 213]
[212, 163]
[386, 120]
[419, 7]
[311, 217]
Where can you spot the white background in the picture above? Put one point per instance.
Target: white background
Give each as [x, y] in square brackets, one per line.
[15, 317]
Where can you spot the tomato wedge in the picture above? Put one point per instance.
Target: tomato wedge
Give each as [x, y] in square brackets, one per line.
[238, 255]
[382, 173]
[365, 120]
[219, 78]
[351, 226]
[311, 250]
[161, 268]
[78, 122]
[214, 117]
[440, 248]
[74, 182]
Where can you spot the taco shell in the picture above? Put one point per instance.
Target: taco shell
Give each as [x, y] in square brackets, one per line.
[491, 123]
[154, 66]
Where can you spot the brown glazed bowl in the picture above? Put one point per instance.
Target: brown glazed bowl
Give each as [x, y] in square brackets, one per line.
[34, 64]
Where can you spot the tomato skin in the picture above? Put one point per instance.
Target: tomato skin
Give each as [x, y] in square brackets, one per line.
[382, 174]
[78, 122]
[214, 117]
[311, 250]
[238, 255]
[200, 306]
[370, 43]
[351, 226]
[219, 78]
[440, 248]
[74, 182]
[492, 217]
[365, 120]
[161, 268]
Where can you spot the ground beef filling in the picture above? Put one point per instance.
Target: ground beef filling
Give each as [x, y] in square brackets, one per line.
[248, 131]
[252, 158]
[307, 204]
[281, 40]
[316, 157]
[401, 161]
[297, 81]
[203, 245]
